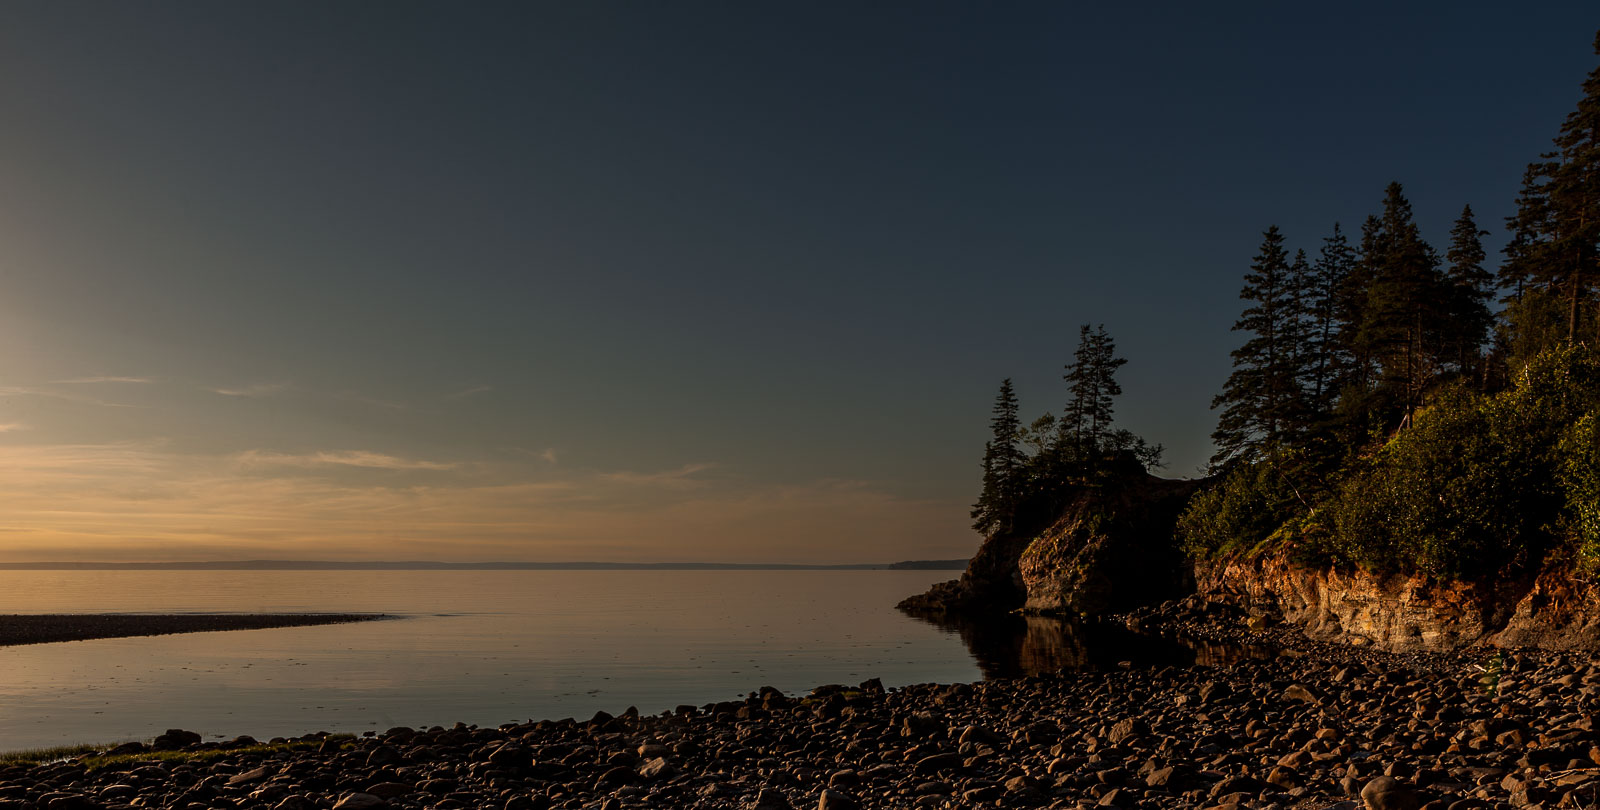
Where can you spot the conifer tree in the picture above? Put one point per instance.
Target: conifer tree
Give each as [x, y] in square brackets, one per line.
[1330, 362]
[1405, 302]
[1261, 398]
[1467, 327]
[1555, 245]
[1297, 324]
[1004, 465]
[1091, 380]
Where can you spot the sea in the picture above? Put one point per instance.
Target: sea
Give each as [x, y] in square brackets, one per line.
[488, 647]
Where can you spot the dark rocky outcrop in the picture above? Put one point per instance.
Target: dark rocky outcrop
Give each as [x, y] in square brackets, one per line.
[1111, 550]
[1091, 548]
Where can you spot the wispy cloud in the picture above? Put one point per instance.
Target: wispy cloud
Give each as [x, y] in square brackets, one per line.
[251, 391]
[468, 392]
[90, 380]
[11, 427]
[549, 455]
[46, 393]
[142, 500]
[340, 458]
[680, 478]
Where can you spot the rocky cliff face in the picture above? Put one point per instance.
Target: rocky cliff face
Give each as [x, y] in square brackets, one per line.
[1555, 609]
[1111, 550]
[1104, 548]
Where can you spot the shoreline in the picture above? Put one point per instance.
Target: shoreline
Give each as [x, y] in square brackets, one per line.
[49, 628]
[1309, 731]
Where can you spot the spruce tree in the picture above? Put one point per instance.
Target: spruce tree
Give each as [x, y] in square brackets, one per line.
[1004, 466]
[1091, 380]
[1261, 398]
[1470, 286]
[1555, 244]
[1330, 362]
[1405, 302]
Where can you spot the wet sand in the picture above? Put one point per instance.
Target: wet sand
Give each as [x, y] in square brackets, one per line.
[51, 627]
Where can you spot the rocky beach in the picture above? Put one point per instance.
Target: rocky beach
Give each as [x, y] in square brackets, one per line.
[1316, 726]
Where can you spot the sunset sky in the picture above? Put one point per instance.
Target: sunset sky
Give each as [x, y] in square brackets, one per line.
[668, 281]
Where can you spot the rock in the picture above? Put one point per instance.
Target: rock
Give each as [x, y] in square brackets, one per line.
[938, 763]
[920, 724]
[1127, 728]
[383, 755]
[658, 768]
[72, 802]
[250, 777]
[360, 801]
[1302, 693]
[980, 735]
[389, 790]
[174, 739]
[769, 799]
[834, 800]
[1388, 793]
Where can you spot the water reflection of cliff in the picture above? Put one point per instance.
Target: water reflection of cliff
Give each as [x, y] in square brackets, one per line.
[1009, 646]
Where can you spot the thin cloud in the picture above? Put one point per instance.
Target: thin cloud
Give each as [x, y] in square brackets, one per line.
[35, 391]
[342, 458]
[143, 501]
[549, 455]
[680, 478]
[468, 392]
[9, 427]
[251, 391]
[92, 380]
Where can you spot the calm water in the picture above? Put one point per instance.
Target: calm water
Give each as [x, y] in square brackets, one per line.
[484, 647]
[490, 647]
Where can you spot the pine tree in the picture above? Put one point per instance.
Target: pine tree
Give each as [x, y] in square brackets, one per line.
[1004, 466]
[1091, 380]
[1261, 399]
[1555, 244]
[1330, 361]
[1470, 286]
[1297, 328]
[1405, 302]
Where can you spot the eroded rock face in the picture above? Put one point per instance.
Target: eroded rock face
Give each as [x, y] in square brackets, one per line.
[1102, 548]
[1555, 610]
[1111, 550]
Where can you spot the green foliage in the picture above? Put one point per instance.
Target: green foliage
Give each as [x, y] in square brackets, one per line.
[1471, 488]
[1580, 478]
[1534, 321]
[1247, 506]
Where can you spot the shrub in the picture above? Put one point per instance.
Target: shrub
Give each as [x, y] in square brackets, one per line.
[1472, 488]
[1580, 479]
[1246, 507]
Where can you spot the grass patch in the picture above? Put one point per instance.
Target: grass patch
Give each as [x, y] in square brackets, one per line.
[34, 756]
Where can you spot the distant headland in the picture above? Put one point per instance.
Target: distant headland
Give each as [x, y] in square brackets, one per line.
[433, 565]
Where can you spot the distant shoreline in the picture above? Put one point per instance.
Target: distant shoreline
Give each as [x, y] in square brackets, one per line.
[48, 628]
[428, 565]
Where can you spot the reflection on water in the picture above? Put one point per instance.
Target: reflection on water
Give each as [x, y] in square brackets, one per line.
[1010, 645]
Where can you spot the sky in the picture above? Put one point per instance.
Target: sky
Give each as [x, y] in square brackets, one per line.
[669, 281]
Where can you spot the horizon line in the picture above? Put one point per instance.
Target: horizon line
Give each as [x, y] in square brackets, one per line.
[350, 565]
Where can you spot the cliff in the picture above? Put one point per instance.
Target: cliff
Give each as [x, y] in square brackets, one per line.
[1108, 547]
[1102, 547]
[1554, 608]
